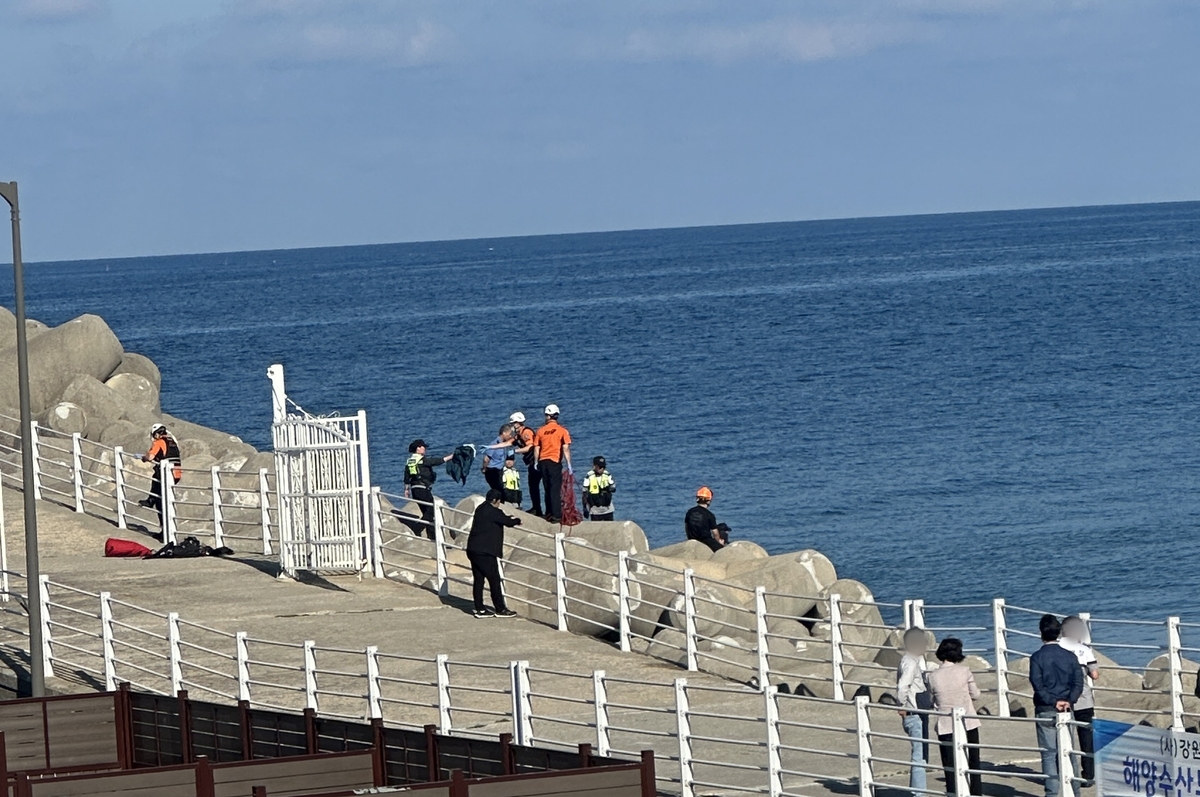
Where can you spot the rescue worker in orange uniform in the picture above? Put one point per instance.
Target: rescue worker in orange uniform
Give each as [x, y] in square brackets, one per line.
[162, 448]
[552, 447]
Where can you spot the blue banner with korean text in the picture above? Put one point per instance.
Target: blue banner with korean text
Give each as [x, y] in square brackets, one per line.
[1140, 761]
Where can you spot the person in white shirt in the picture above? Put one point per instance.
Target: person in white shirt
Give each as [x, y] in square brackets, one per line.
[1075, 638]
[913, 695]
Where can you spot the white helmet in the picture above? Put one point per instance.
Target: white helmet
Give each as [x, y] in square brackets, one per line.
[552, 409]
[156, 428]
[517, 417]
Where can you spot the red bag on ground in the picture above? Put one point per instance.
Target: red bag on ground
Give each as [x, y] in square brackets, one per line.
[117, 547]
[571, 516]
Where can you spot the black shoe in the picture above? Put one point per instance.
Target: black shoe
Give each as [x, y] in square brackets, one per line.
[553, 520]
[535, 512]
[481, 613]
[506, 613]
[146, 502]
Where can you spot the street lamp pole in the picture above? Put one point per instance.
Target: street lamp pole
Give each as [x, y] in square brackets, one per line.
[37, 674]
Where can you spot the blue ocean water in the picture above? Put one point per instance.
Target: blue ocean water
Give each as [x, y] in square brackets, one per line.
[950, 407]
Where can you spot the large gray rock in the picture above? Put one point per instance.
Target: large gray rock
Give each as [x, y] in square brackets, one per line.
[83, 346]
[863, 630]
[66, 418]
[136, 390]
[687, 551]
[252, 463]
[134, 439]
[793, 581]
[221, 445]
[1157, 675]
[190, 450]
[8, 328]
[739, 551]
[142, 366]
[721, 610]
[659, 581]
[613, 537]
[102, 405]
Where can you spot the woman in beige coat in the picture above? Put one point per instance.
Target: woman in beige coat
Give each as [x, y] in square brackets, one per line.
[952, 685]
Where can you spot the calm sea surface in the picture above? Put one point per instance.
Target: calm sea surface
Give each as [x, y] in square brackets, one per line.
[950, 407]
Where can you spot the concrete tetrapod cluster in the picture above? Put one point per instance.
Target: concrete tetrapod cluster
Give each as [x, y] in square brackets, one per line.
[82, 381]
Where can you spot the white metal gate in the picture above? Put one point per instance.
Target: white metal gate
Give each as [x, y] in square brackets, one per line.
[323, 481]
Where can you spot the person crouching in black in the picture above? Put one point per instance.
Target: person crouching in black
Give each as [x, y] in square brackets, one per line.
[485, 547]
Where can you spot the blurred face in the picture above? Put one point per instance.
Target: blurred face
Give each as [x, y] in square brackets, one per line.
[916, 644]
[508, 463]
[420, 449]
[598, 468]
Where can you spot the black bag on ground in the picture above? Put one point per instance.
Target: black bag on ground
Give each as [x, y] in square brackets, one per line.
[189, 548]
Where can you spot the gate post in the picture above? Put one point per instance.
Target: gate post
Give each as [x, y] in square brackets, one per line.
[1000, 643]
[958, 735]
[176, 652]
[119, 485]
[762, 637]
[376, 539]
[310, 675]
[600, 690]
[43, 596]
[689, 618]
[218, 517]
[106, 642]
[439, 549]
[1175, 667]
[264, 505]
[442, 662]
[522, 703]
[1066, 763]
[374, 688]
[862, 724]
[774, 743]
[243, 666]
[623, 601]
[835, 646]
[35, 448]
[683, 728]
[560, 581]
[167, 481]
[77, 470]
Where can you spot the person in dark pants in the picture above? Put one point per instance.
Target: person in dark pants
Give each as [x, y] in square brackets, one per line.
[952, 685]
[701, 524]
[1074, 639]
[552, 448]
[418, 482]
[1057, 681]
[485, 548]
[163, 447]
[523, 438]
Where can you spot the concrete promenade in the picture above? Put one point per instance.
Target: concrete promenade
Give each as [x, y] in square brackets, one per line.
[345, 615]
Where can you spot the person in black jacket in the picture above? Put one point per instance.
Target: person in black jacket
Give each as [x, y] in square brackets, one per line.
[701, 524]
[418, 483]
[485, 547]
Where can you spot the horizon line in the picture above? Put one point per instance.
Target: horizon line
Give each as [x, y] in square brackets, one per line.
[468, 239]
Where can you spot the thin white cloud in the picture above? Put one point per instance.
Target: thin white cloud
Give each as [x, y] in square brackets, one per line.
[780, 39]
[58, 10]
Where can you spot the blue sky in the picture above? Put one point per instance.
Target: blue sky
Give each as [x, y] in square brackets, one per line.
[152, 126]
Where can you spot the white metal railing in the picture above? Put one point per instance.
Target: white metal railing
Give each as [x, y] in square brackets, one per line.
[219, 507]
[741, 634]
[746, 639]
[708, 737]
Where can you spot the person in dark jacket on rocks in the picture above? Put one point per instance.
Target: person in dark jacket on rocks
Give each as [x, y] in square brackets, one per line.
[1057, 681]
[418, 482]
[701, 524]
[485, 548]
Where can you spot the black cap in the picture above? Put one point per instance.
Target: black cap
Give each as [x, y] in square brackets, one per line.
[414, 445]
[601, 461]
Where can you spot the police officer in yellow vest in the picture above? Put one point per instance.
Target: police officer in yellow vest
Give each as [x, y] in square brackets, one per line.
[418, 482]
[598, 488]
[510, 482]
